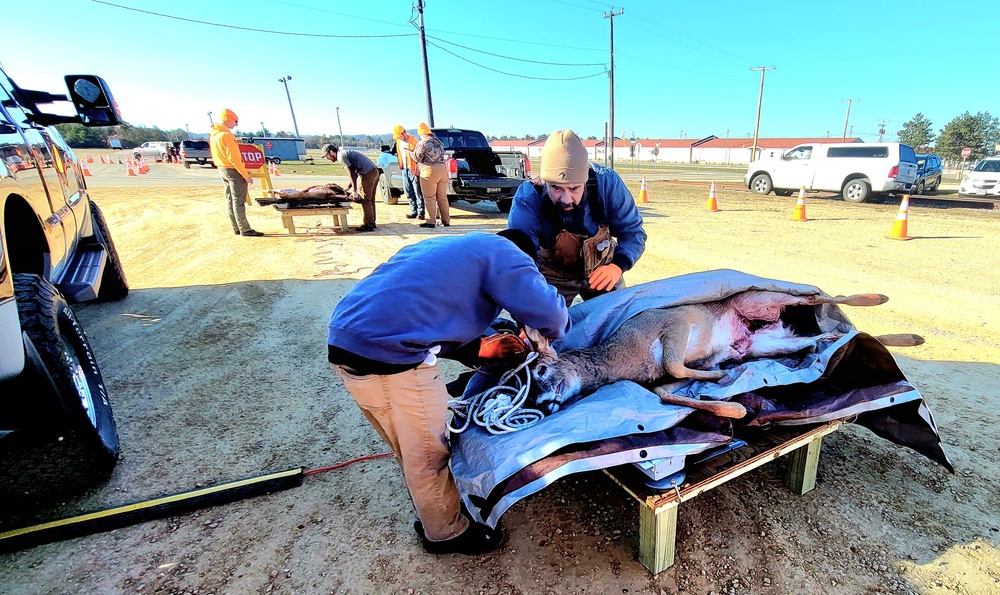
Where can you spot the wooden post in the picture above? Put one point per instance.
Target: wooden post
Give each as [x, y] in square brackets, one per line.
[657, 536]
[803, 462]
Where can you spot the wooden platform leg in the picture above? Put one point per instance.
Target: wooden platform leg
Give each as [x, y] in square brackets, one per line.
[342, 221]
[803, 462]
[657, 535]
[288, 222]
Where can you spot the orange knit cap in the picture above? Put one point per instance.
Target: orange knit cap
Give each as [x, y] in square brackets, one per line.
[228, 114]
[397, 132]
[423, 129]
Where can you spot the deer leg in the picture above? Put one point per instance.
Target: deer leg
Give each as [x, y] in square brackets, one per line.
[900, 340]
[677, 369]
[720, 408]
[861, 299]
[775, 339]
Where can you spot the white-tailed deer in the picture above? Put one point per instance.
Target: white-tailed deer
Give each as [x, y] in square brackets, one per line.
[686, 342]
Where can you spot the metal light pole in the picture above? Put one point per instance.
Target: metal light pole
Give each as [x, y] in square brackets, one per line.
[263, 130]
[211, 122]
[760, 97]
[848, 118]
[611, 78]
[339, 129]
[423, 55]
[188, 131]
[285, 80]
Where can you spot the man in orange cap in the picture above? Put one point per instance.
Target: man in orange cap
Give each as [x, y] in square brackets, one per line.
[408, 166]
[226, 156]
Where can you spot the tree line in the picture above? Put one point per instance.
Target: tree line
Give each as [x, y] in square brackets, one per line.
[980, 132]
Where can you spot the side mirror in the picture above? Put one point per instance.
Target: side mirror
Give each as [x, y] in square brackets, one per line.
[93, 101]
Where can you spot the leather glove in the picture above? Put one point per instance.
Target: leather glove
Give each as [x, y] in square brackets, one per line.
[605, 277]
[502, 346]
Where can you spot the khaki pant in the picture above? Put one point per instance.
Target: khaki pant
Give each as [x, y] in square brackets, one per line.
[236, 199]
[408, 412]
[369, 186]
[434, 186]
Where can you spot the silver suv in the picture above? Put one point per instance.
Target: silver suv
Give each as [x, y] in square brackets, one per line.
[57, 430]
[155, 150]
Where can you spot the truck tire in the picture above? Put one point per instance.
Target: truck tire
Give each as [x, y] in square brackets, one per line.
[385, 191]
[82, 448]
[114, 285]
[276, 160]
[856, 190]
[761, 184]
[917, 189]
[504, 204]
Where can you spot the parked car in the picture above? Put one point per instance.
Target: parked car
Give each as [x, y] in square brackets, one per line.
[983, 180]
[155, 150]
[195, 151]
[929, 170]
[855, 170]
[57, 429]
[476, 172]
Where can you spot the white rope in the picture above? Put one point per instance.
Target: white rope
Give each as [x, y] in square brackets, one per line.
[500, 409]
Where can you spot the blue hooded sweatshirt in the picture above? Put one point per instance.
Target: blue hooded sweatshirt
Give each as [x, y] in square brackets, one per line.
[534, 214]
[453, 288]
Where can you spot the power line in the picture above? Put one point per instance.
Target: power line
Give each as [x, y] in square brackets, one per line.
[511, 57]
[272, 32]
[523, 76]
[575, 5]
[631, 21]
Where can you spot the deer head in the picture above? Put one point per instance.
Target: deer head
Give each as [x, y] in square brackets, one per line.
[557, 379]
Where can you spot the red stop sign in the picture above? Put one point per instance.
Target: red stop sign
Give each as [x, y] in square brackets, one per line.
[253, 158]
[966, 152]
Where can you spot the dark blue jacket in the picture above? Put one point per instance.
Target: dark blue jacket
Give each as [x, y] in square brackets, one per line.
[536, 215]
[453, 288]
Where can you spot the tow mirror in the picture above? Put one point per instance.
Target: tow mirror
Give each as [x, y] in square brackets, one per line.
[93, 100]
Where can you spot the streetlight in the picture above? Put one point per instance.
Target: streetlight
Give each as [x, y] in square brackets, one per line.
[211, 122]
[188, 131]
[263, 130]
[339, 129]
[285, 80]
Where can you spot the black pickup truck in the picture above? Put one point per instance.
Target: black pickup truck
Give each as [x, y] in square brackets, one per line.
[476, 171]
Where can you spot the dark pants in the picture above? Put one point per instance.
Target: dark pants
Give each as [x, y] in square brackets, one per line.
[236, 199]
[411, 184]
[369, 185]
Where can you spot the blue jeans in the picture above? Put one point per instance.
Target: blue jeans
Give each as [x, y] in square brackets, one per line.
[413, 194]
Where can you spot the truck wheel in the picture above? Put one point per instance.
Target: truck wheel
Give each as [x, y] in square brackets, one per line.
[276, 160]
[856, 190]
[114, 285]
[917, 189]
[83, 447]
[385, 191]
[504, 204]
[760, 184]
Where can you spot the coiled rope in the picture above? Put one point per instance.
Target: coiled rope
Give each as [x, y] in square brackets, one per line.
[499, 409]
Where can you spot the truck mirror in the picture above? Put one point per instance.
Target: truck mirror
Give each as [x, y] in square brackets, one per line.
[92, 99]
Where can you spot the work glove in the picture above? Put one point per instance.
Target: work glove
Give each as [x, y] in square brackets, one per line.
[502, 346]
[605, 277]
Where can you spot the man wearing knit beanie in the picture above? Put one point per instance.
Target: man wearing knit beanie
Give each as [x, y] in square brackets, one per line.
[582, 219]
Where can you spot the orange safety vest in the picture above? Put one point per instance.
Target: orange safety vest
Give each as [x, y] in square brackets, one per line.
[404, 152]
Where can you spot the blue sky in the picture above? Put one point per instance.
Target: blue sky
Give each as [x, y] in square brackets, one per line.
[679, 66]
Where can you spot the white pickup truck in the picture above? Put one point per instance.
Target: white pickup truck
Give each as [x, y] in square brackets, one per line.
[855, 170]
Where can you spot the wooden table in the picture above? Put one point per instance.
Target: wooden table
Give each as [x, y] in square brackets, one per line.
[339, 215]
[658, 509]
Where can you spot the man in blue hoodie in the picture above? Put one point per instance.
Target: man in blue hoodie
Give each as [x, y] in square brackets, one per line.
[581, 218]
[456, 286]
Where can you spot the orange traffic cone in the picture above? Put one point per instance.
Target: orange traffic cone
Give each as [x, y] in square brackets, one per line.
[143, 168]
[85, 169]
[120, 162]
[800, 207]
[102, 159]
[89, 159]
[899, 225]
[274, 169]
[128, 164]
[643, 192]
[713, 200]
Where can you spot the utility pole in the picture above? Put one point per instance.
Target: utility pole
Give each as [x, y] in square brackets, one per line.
[211, 122]
[848, 118]
[339, 129]
[295, 125]
[760, 97]
[611, 122]
[263, 131]
[881, 128]
[423, 54]
[188, 131]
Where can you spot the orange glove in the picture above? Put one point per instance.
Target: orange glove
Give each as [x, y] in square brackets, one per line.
[501, 346]
[605, 277]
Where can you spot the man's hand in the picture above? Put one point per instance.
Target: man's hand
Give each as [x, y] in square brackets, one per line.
[249, 181]
[605, 277]
[502, 346]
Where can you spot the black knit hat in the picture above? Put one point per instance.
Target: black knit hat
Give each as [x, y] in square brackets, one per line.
[521, 240]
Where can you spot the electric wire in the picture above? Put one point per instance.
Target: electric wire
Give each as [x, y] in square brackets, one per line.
[523, 76]
[346, 463]
[251, 29]
[513, 58]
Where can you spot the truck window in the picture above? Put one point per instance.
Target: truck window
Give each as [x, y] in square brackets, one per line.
[798, 153]
[862, 151]
[906, 154]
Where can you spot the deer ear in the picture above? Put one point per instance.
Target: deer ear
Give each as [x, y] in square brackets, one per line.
[540, 343]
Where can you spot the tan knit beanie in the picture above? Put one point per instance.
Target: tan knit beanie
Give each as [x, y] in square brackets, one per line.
[564, 159]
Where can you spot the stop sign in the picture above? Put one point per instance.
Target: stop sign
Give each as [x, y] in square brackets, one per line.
[966, 152]
[253, 158]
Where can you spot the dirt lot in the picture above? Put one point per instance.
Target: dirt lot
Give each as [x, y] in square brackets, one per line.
[216, 362]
